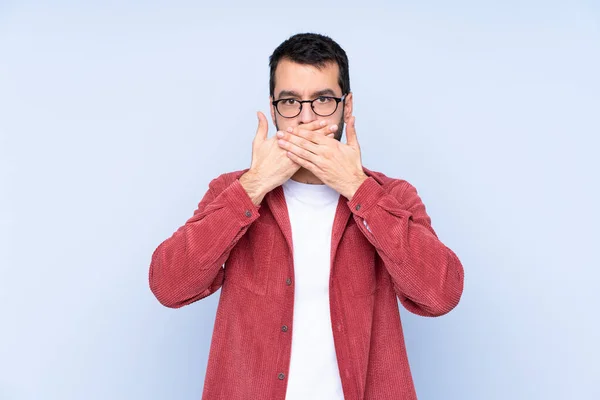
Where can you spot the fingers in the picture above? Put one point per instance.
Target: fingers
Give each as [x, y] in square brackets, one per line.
[314, 125]
[316, 132]
[295, 141]
[302, 162]
[263, 127]
[351, 139]
[328, 130]
[317, 136]
[300, 150]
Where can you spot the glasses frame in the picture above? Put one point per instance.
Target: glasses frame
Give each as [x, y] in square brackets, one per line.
[337, 103]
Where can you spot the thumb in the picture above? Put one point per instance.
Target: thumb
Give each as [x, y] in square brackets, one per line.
[351, 139]
[263, 126]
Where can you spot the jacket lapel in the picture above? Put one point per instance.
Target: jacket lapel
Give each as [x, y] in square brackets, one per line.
[342, 214]
[276, 202]
[340, 221]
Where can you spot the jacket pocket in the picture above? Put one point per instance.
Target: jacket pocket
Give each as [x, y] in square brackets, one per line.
[250, 261]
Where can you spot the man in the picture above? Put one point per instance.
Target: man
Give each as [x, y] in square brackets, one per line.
[310, 249]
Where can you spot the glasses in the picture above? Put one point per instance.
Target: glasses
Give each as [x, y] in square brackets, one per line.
[323, 106]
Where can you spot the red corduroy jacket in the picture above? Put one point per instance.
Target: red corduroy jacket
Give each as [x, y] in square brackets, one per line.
[246, 250]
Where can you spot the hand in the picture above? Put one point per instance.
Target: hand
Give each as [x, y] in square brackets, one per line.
[270, 167]
[336, 164]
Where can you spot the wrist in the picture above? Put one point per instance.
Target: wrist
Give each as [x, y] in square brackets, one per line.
[353, 187]
[253, 185]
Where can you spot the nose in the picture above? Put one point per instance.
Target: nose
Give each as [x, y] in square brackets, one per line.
[307, 114]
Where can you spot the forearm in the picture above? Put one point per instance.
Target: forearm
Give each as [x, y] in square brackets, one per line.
[427, 275]
[185, 265]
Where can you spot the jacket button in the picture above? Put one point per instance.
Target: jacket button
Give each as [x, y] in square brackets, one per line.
[248, 213]
[288, 281]
[357, 207]
[284, 328]
[281, 376]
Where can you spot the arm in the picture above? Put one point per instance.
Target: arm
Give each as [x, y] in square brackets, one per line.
[188, 266]
[427, 275]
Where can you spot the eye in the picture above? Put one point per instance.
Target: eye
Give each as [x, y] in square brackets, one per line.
[288, 102]
[323, 99]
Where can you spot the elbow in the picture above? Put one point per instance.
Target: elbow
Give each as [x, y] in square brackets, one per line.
[444, 304]
[177, 297]
[436, 301]
[164, 299]
[161, 284]
[163, 292]
[446, 298]
[176, 289]
[436, 307]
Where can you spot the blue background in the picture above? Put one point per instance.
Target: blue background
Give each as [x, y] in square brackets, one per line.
[115, 116]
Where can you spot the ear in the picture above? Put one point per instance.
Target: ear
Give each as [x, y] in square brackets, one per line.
[272, 108]
[348, 106]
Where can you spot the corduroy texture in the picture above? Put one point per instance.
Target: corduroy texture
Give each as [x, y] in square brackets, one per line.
[246, 250]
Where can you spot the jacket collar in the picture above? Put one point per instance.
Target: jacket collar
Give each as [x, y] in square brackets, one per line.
[275, 199]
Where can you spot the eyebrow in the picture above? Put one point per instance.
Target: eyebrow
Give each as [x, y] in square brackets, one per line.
[291, 93]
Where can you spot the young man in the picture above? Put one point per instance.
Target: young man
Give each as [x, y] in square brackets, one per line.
[311, 250]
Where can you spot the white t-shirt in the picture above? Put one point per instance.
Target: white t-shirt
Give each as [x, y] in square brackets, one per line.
[314, 372]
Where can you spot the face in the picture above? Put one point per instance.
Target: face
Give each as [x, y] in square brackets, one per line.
[306, 82]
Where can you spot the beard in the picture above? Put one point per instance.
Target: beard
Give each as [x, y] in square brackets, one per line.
[337, 135]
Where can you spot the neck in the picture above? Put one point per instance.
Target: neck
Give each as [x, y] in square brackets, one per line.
[305, 176]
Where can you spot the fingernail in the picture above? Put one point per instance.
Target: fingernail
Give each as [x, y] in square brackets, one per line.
[333, 127]
[323, 123]
[279, 134]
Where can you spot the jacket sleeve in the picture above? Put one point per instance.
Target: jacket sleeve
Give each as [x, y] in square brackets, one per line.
[188, 266]
[427, 276]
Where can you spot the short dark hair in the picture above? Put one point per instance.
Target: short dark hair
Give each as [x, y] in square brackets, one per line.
[312, 49]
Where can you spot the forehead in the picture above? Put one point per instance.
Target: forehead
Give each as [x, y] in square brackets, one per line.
[306, 79]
